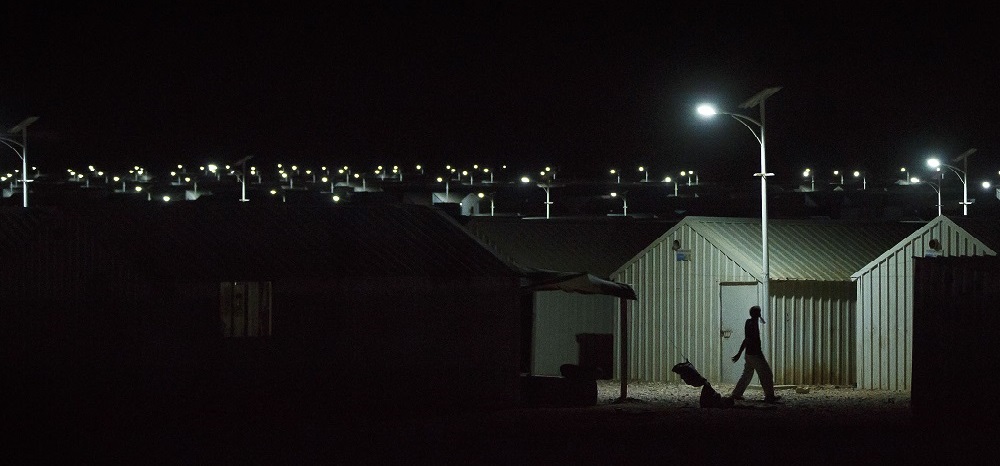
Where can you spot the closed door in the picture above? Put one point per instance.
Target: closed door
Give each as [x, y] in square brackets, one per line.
[736, 302]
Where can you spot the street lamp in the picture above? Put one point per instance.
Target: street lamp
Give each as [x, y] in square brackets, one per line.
[937, 189]
[22, 127]
[864, 179]
[492, 204]
[962, 175]
[812, 179]
[624, 203]
[668, 180]
[756, 101]
[645, 173]
[841, 175]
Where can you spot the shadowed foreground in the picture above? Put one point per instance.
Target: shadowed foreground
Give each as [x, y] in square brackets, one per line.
[656, 423]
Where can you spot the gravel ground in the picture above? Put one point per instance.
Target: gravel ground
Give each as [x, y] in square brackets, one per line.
[663, 423]
[655, 423]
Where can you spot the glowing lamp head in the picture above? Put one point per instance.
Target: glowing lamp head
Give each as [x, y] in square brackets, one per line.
[707, 110]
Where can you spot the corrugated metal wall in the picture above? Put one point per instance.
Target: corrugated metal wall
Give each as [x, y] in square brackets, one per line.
[956, 308]
[884, 325]
[676, 315]
[559, 317]
[811, 332]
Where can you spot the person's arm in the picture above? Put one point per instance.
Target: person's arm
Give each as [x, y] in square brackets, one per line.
[740, 352]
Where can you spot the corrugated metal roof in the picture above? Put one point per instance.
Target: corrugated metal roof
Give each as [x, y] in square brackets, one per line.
[985, 230]
[244, 241]
[597, 245]
[809, 249]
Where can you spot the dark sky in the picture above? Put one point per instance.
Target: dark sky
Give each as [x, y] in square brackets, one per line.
[582, 86]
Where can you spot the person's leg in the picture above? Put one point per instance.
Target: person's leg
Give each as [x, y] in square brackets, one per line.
[745, 378]
[766, 378]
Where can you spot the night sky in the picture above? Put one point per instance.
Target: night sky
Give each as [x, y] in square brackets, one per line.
[582, 87]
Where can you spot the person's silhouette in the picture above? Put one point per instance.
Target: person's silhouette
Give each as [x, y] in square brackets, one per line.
[754, 360]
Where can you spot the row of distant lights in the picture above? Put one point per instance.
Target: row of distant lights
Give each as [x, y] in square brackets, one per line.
[912, 179]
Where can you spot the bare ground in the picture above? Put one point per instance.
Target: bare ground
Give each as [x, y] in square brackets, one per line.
[655, 423]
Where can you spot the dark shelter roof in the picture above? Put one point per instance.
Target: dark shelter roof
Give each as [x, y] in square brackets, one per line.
[266, 241]
[597, 245]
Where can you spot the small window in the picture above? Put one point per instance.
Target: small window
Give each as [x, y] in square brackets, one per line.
[245, 309]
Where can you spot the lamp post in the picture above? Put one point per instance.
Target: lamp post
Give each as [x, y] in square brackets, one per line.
[841, 175]
[812, 179]
[22, 127]
[756, 101]
[937, 189]
[864, 179]
[492, 204]
[963, 175]
[624, 203]
[668, 180]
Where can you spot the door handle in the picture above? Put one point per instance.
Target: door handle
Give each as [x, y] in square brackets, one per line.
[726, 333]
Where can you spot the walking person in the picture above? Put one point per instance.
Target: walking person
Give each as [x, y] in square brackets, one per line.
[754, 360]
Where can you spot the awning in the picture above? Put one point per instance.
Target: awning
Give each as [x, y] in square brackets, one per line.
[574, 282]
[583, 282]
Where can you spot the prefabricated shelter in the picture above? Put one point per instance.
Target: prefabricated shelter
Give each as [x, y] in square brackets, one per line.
[696, 283]
[259, 305]
[885, 291]
[569, 328]
[956, 301]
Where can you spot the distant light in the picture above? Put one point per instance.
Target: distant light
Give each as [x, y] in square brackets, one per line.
[325, 179]
[138, 189]
[166, 198]
[212, 168]
[274, 191]
[806, 173]
[933, 163]
[336, 198]
[667, 179]
[614, 194]
[439, 179]
[481, 195]
[986, 185]
[902, 169]
[857, 173]
[525, 179]
[914, 180]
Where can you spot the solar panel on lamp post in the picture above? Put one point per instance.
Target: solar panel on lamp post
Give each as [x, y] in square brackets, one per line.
[756, 101]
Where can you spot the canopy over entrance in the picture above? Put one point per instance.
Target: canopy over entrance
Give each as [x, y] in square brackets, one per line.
[585, 283]
[575, 282]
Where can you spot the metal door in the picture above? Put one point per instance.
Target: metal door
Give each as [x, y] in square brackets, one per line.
[736, 299]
